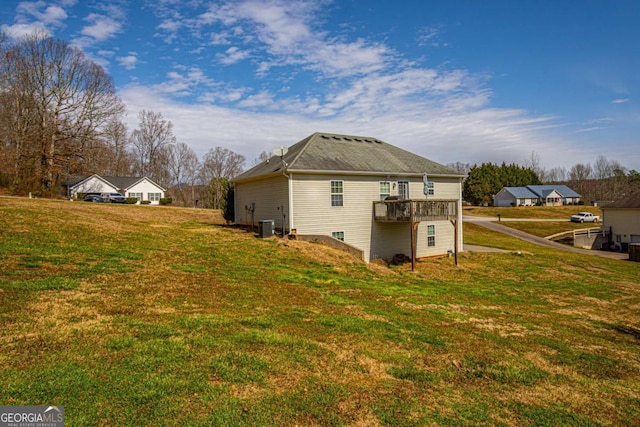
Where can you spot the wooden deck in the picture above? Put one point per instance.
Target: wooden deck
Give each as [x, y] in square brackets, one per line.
[414, 211]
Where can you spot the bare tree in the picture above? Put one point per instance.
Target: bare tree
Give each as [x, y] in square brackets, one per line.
[184, 165]
[464, 168]
[61, 101]
[218, 166]
[263, 157]
[556, 175]
[117, 137]
[149, 141]
[534, 163]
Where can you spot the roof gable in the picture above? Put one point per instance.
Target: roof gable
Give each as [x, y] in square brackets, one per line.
[326, 152]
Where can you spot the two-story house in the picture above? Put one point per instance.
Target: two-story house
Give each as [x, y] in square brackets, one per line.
[365, 192]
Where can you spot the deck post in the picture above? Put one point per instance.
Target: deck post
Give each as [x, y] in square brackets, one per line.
[413, 236]
[455, 238]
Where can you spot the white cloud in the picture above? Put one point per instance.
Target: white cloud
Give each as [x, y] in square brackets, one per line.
[232, 55]
[100, 27]
[429, 36]
[33, 16]
[129, 62]
[260, 123]
[41, 12]
[184, 83]
[620, 100]
[20, 30]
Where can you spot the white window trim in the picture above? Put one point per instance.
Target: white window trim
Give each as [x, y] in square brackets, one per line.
[431, 236]
[137, 195]
[406, 183]
[431, 188]
[337, 194]
[387, 194]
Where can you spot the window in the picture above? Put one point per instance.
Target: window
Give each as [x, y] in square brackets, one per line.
[431, 235]
[338, 235]
[403, 190]
[136, 195]
[154, 197]
[385, 189]
[337, 193]
[429, 188]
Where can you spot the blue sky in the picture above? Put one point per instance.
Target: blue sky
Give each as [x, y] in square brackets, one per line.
[454, 81]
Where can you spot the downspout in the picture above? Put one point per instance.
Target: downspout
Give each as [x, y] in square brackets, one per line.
[289, 193]
[290, 196]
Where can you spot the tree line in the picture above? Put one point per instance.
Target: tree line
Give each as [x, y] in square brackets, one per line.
[60, 117]
[603, 181]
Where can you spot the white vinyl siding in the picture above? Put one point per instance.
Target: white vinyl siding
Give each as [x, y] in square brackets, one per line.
[313, 215]
[267, 195]
[146, 187]
[623, 222]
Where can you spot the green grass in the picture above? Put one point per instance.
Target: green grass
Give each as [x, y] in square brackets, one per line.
[541, 212]
[131, 315]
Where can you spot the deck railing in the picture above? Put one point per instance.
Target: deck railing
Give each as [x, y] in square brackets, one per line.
[415, 210]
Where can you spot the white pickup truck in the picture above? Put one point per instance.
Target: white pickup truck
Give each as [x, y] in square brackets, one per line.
[584, 217]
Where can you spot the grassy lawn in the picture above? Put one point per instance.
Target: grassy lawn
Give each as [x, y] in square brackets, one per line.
[138, 315]
[541, 212]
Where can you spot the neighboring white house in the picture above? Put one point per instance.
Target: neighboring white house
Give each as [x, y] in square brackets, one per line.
[621, 220]
[328, 185]
[141, 188]
[532, 195]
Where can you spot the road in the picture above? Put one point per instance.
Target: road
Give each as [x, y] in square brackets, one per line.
[489, 222]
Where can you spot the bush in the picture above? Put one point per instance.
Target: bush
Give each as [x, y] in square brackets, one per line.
[166, 201]
[145, 202]
[131, 200]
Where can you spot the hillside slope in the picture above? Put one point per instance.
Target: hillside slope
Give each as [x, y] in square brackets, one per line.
[139, 315]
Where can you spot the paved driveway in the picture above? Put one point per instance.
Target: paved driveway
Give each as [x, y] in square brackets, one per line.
[489, 222]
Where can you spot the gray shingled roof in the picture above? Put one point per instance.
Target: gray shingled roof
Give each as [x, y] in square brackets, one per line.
[632, 201]
[327, 152]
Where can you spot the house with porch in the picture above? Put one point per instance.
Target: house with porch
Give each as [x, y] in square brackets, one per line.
[536, 195]
[373, 196]
[142, 188]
